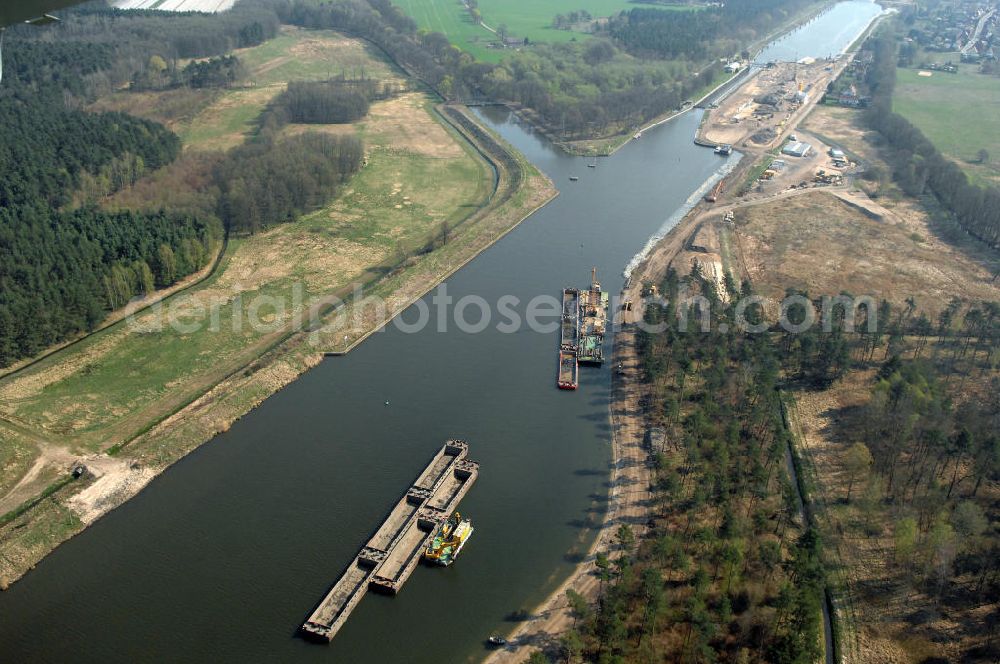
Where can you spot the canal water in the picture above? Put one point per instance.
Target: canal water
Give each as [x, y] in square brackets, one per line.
[827, 34]
[224, 555]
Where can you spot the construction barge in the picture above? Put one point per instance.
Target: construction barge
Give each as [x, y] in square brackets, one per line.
[581, 340]
[593, 320]
[390, 556]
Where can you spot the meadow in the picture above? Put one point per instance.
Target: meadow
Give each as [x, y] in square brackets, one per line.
[522, 18]
[957, 113]
[112, 385]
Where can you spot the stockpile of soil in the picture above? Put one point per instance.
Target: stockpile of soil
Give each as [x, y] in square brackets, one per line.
[768, 99]
[765, 135]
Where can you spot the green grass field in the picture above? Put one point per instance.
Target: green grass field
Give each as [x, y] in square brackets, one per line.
[294, 55]
[957, 112]
[298, 54]
[114, 382]
[450, 18]
[418, 176]
[523, 18]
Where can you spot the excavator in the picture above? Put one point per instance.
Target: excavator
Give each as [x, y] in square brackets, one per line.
[449, 540]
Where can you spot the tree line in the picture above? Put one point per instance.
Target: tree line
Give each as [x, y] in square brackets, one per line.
[574, 89]
[170, 34]
[274, 180]
[63, 65]
[220, 72]
[61, 272]
[918, 166]
[136, 44]
[726, 572]
[568, 20]
[702, 33]
[62, 269]
[45, 149]
[336, 101]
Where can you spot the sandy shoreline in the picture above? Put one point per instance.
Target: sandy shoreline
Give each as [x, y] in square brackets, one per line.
[629, 498]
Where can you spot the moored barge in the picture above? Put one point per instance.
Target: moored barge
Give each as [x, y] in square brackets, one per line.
[568, 370]
[593, 320]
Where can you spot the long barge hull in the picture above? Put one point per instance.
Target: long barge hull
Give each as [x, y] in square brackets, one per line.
[385, 563]
[569, 339]
[568, 370]
[569, 335]
[593, 320]
[581, 336]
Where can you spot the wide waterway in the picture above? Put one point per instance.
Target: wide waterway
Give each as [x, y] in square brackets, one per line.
[223, 556]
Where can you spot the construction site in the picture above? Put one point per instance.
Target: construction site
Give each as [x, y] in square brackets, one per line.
[388, 559]
[760, 119]
[759, 113]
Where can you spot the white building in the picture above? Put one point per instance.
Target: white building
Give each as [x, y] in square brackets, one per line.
[797, 149]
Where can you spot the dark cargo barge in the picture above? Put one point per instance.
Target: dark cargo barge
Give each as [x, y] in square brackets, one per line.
[581, 337]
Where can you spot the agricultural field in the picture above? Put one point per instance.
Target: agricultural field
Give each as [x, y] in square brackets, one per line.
[957, 112]
[114, 384]
[450, 18]
[522, 18]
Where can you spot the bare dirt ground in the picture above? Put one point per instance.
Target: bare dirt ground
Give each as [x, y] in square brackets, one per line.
[840, 124]
[765, 108]
[829, 244]
[51, 459]
[922, 216]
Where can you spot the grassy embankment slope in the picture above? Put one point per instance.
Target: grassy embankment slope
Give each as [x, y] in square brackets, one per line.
[523, 18]
[149, 393]
[957, 113]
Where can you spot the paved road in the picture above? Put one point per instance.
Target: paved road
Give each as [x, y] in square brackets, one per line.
[979, 30]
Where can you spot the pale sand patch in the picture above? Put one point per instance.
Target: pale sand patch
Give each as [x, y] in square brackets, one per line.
[117, 481]
[398, 123]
